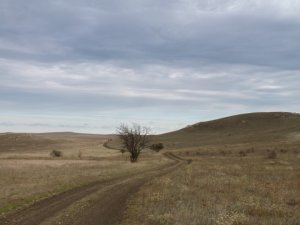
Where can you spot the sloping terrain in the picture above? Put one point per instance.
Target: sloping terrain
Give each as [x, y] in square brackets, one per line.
[27, 142]
[244, 128]
[103, 201]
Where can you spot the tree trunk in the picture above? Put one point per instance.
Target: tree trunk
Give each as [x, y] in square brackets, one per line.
[133, 158]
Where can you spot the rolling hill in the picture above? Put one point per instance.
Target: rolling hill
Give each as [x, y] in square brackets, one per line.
[251, 128]
[267, 127]
[28, 142]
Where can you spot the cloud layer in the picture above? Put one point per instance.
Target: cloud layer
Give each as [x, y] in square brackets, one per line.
[165, 64]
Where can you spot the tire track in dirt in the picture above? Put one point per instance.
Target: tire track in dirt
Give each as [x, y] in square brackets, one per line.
[108, 208]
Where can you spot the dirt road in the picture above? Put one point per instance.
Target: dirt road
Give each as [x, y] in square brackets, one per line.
[99, 203]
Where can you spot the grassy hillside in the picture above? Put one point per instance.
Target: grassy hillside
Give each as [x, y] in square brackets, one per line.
[251, 128]
[244, 170]
[15, 143]
[256, 128]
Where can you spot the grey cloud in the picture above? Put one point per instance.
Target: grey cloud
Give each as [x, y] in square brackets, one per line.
[73, 87]
[7, 124]
[148, 59]
[187, 32]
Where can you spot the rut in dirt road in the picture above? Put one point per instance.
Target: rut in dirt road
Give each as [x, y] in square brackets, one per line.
[106, 210]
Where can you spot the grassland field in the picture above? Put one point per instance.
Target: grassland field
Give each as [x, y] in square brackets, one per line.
[244, 170]
[31, 174]
[223, 186]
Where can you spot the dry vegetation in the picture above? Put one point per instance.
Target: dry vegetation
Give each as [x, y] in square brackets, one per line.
[223, 189]
[32, 173]
[245, 170]
[254, 128]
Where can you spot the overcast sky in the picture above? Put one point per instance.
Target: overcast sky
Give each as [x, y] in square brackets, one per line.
[88, 65]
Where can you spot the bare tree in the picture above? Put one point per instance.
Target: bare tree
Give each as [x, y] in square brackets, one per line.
[134, 139]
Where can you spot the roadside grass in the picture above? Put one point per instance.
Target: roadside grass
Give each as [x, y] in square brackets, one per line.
[218, 189]
[24, 181]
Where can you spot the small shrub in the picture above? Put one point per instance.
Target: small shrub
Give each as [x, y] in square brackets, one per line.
[157, 147]
[242, 153]
[56, 153]
[225, 153]
[283, 150]
[272, 155]
[291, 202]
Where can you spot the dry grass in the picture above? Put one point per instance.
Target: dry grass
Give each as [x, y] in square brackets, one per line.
[252, 128]
[29, 173]
[223, 190]
[40, 145]
[24, 181]
[231, 181]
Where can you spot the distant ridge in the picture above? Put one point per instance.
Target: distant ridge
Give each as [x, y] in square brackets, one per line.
[243, 128]
[12, 142]
[261, 127]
